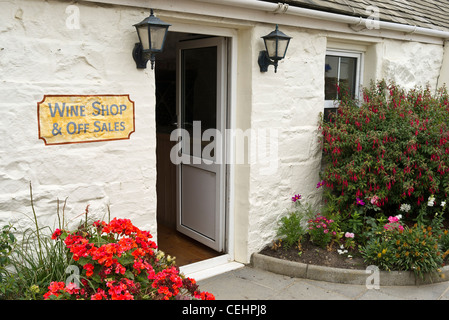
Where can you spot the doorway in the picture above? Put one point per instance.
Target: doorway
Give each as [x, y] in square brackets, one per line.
[191, 102]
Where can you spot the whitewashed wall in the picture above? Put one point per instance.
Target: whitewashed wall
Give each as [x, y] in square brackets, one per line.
[412, 64]
[43, 51]
[443, 80]
[288, 103]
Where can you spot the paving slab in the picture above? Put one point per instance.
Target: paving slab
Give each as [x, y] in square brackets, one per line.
[250, 283]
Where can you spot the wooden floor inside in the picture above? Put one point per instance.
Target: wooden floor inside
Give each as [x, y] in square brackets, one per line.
[185, 249]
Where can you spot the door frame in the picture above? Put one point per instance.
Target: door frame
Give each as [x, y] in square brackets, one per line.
[229, 145]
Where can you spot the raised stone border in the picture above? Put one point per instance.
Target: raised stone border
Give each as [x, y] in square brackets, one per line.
[338, 275]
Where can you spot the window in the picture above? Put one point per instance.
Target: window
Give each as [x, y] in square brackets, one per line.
[341, 68]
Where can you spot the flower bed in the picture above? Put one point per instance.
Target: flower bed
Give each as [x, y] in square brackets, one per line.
[118, 261]
[388, 243]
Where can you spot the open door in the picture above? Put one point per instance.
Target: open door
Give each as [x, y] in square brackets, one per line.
[201, 100]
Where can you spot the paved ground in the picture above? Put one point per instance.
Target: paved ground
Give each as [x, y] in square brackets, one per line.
[250, 283]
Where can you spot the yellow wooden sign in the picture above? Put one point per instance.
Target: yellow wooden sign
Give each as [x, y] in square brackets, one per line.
[66, 119]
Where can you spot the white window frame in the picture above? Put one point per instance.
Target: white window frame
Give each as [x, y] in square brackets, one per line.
[359, 72]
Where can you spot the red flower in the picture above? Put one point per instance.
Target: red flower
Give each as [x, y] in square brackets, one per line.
[89, 269]
[56, 234]
[204, 295]
[100, 295]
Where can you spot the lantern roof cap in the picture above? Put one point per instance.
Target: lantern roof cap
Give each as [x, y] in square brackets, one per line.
[152, 20]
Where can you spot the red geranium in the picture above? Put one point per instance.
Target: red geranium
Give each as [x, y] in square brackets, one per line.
[118, 262]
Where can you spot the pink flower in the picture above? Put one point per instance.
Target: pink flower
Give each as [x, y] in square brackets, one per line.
[349, 235]
[360, 202]
[393, 223]
[296, 197]
[393, 219]
[374, 200]
[72, 288]
[320, 184]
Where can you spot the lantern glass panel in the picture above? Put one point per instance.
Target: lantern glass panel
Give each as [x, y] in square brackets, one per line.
[270, 44]
[282, 48]
[157, 38]
[143, 35]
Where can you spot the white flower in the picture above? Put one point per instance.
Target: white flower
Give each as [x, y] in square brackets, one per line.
[405, 207]
[431, 201]
[399, 216]
[443, 203]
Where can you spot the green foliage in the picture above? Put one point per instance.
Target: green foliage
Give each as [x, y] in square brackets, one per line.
[444, 241]
[7, 242]
[413, 248]
[394, 146]
[32, 262]
[291, 228]
[355, 223]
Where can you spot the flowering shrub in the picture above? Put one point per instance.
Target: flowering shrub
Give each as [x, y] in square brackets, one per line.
[395, 146]
[404, 248]
[321, 230]
[118, 261]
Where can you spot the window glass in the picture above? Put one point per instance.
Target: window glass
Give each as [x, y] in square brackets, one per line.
[331, 78]
[340, 70]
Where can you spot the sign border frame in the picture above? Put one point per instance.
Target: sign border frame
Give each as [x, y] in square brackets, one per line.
[84, 95]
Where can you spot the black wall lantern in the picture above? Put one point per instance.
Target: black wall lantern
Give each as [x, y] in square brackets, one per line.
[276, 44]
[152, 32]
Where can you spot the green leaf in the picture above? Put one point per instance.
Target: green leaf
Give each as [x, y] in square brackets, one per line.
[128, 274]
[96, 278]
[83, 260]
[126, 259]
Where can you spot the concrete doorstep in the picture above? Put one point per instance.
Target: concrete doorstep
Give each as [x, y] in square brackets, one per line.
[369, 277]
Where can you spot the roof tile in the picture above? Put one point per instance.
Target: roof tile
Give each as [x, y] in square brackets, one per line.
[423, 13]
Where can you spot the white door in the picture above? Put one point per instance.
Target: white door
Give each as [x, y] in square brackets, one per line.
[201, 118]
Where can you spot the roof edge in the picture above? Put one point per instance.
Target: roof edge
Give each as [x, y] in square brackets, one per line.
[357, 22]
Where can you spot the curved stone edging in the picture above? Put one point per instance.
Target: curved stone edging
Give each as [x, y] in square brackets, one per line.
[338, 275]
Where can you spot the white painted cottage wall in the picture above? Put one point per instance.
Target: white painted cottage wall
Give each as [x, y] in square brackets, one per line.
[40, 55]
[289, 103]
[412, 64]
[443, 79]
